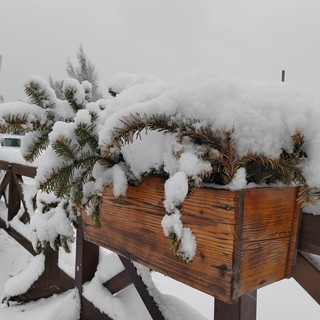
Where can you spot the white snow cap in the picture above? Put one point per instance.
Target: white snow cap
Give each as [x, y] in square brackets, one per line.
[263, 115]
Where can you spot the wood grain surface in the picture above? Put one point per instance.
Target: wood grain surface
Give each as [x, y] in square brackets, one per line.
[241, 243]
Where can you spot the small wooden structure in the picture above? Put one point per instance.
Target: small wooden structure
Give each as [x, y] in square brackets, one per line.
[245, 239]
[54, 280]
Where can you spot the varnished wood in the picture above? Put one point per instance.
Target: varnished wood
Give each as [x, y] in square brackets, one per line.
[245, 239]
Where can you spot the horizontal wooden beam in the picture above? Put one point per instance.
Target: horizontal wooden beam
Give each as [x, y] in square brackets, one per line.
[118, 282]
[309, 240]
[308, 276]
[23, 170]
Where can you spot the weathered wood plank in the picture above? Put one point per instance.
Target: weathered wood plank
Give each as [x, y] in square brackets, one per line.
[308, 276]
[309, 240]
[270, 230]
[233, 236]
[123, 233]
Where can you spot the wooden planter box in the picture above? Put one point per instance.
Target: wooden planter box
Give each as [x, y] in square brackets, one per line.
[245, 239]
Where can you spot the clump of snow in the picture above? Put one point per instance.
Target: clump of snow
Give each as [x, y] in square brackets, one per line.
[193, 166]
[55, 222]
[121, 81]
[21, 282]
[76, 88]
[43, 87]
[239, 180]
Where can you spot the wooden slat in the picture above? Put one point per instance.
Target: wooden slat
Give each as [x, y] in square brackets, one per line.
[309, 240]
[23, 170]
[4, 165]
[14, 199]
[118, 282]
[244, 309]
[18, 237]
[308, 276]
[211, 268]
[142, 290]
[4, 183]
[270, 230]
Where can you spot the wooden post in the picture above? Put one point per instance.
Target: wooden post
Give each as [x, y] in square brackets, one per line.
[308, 276]
[14, 198]
[87, 259]
[283, 75]
[244, 309]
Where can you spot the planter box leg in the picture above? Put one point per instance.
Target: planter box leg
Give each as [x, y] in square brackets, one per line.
[142, 289]
[244, 309]
[87, 259]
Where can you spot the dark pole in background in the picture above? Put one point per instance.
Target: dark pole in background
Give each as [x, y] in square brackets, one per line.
[283, 75]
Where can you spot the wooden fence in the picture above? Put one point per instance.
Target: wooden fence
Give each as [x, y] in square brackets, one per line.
[54, 280]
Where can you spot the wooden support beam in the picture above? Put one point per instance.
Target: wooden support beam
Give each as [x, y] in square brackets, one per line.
[244, 309]
[308, 276]
[309, 240]
[142, 289]
[23, 170]
[14, 199]
[52, 281]
[87, 259]
[118, 282]
[90, 312]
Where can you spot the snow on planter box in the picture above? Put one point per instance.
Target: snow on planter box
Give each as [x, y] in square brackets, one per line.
[245, 239]
[249, 141]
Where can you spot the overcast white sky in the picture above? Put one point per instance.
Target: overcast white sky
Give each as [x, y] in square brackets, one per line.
[250, 39]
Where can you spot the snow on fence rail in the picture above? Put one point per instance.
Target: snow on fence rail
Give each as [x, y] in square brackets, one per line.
[54, 280]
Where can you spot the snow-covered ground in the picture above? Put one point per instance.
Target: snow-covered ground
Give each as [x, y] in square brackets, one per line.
[280, 301]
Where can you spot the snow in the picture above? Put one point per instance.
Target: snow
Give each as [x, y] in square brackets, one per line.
[74, 86]
[20, 283]
[185, 302]
[263, 115]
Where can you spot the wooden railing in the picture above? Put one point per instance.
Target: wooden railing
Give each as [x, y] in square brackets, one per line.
[54, 280]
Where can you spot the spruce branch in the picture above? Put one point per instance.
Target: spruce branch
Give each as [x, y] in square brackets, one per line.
[40, 143]
[37, 95]
[65, 148]
[70, 95]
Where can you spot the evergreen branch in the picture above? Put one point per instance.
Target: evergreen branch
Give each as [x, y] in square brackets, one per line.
[69, 94]
[59, 182]
[37, 95]
[65, 149]
[40, 143]
[85, 134]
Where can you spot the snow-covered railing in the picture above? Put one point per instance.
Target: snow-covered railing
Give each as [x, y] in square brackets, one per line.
[15, 214]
